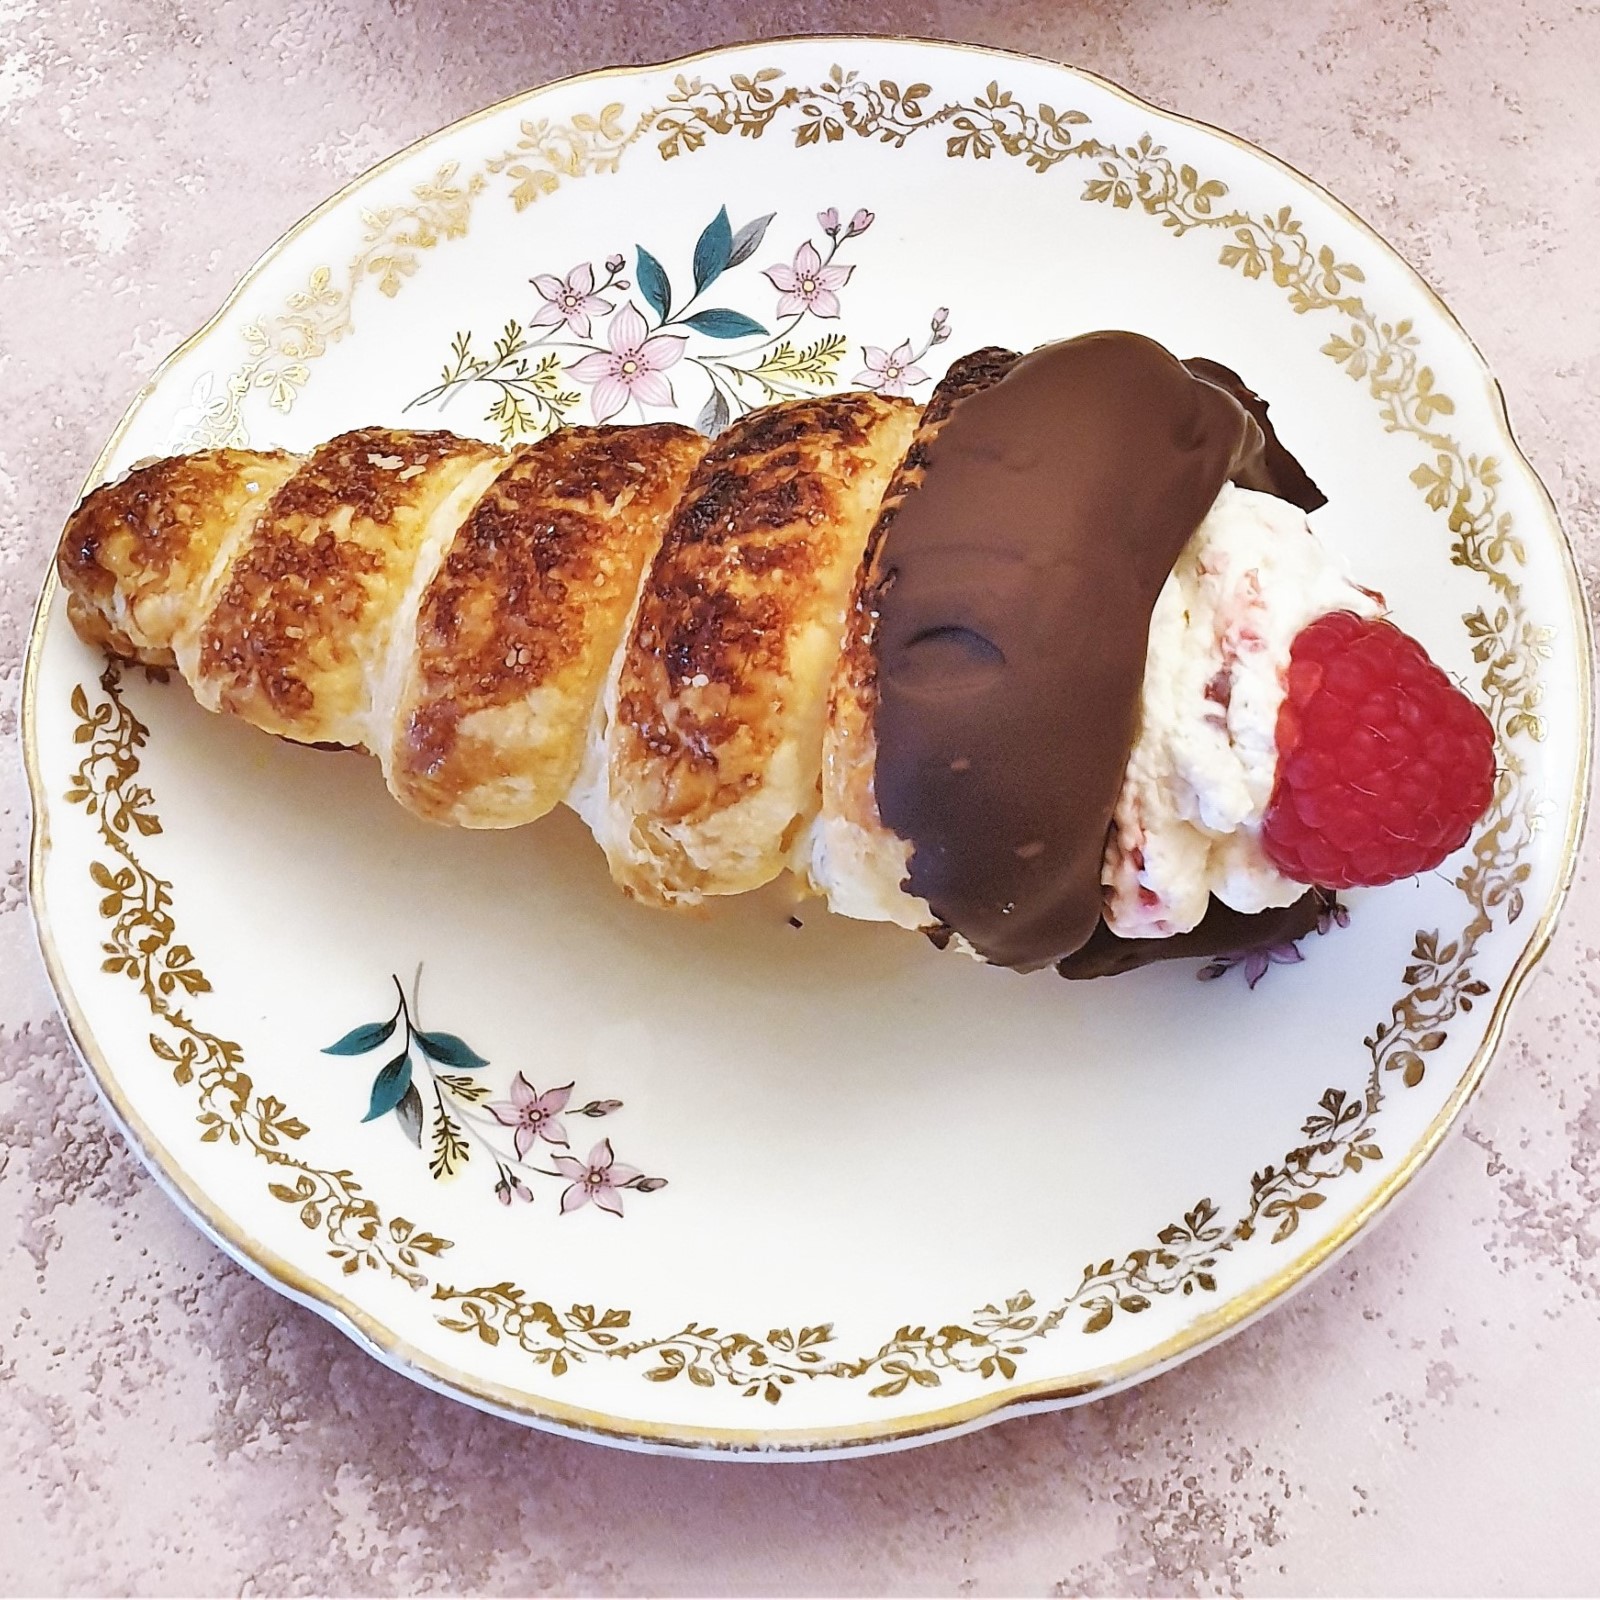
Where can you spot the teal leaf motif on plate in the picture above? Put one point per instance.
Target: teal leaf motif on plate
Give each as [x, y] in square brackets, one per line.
[360, 1040]
[654, 283]
[449, 1050]
[721, 323]
[713, 251]
[389, 1087]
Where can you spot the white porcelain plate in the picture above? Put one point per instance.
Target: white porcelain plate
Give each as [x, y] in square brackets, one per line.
[847, 1192]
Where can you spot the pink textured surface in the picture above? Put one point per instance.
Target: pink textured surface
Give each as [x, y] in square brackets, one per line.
[1422, 1420]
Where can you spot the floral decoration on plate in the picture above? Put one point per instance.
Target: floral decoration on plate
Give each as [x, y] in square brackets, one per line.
[458, 1116]
[588, 332]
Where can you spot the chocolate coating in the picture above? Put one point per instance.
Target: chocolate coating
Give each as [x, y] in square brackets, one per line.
[1013, 594]
[1221, 932]
[1274, 470]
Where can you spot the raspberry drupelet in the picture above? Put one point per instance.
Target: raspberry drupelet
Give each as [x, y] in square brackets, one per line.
[1384, 764]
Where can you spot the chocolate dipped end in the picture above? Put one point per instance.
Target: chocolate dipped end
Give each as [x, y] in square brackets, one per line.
[1221, 932]
[1013, 594]
[1272, 469]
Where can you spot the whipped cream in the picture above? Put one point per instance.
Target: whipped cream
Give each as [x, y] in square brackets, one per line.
[861, 868]
[1188, 821]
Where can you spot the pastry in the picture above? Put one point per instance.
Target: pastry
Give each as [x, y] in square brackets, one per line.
[1054, 669]
[517, 628]
[714, 723]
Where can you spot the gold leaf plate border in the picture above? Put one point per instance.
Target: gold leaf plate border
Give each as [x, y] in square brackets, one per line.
[1440, 981]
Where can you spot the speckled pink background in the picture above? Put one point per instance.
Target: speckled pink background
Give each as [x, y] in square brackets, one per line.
[1424, 1420]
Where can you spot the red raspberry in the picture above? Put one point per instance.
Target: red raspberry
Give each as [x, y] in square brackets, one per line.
[1383, 764]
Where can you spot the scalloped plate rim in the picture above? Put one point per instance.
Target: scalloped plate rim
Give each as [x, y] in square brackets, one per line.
[1014, 1398]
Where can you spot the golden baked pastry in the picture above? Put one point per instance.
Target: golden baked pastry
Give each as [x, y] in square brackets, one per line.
[714, 738]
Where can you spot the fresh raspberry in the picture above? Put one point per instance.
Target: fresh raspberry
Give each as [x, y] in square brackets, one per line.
[1383, 764]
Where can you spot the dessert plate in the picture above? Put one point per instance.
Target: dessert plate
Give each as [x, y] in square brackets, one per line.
[771, 1181]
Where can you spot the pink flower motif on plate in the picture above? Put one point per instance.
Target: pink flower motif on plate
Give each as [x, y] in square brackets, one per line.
[535, 1116]
[508, 1187]
[632, 369]
[597, 1178]
[571, 300]
[890, 371]
[806, 284]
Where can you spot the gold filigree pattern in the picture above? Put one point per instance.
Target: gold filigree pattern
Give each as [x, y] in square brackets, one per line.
[1339, 1136]
[548, 154]
[281, 347]
[140, 945]
[1386, 358]
[989, 1344]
